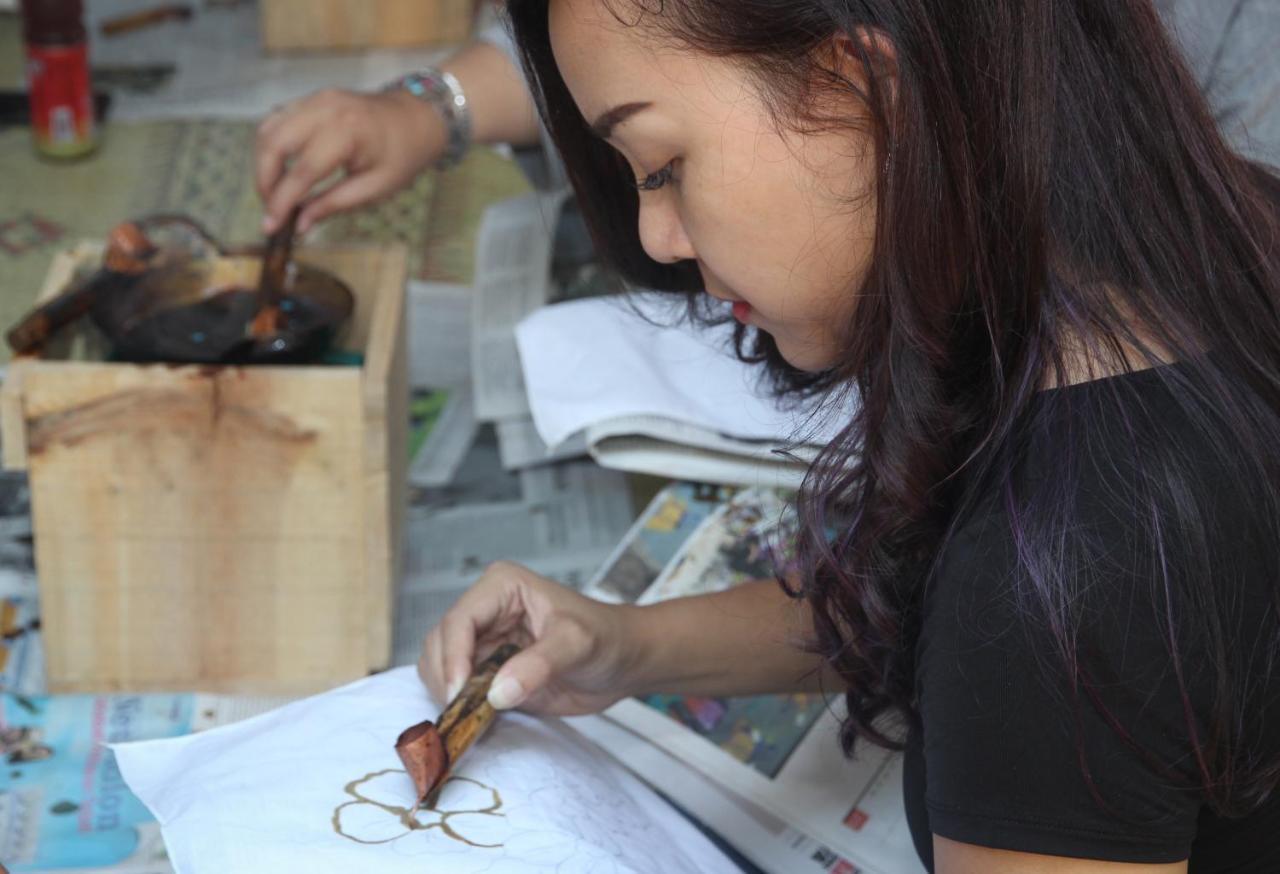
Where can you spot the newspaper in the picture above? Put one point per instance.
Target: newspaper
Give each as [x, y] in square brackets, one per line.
[561, 520]
[21, 646]
[520, 446]
[568, 516]
[63, 804]
[512, 280]
[18, 567]
[654, 540]
[741, 540]
[17, 553]
[480, 478]
[781, 751]
[439, 315]
[768, 842]
[854, 806]
[442, 427]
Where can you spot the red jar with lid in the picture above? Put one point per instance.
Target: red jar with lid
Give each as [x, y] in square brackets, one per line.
[62, 121]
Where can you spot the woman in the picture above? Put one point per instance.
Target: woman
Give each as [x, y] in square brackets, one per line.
[1045, 556]
[359, 148]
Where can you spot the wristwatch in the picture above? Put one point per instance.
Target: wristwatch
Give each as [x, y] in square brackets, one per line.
[442, 90]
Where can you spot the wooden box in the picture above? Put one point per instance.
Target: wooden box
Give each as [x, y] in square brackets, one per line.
[318, 25]
[218, 528]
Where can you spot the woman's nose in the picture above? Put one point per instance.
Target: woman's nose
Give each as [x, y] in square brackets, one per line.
[662, 233]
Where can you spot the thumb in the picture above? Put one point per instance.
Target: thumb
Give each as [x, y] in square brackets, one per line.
[563, 646]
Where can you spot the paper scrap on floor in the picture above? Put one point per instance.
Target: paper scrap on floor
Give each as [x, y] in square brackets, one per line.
[316, 786]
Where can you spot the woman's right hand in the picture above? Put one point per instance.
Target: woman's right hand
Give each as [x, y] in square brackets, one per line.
[380, 142]
[578, 655]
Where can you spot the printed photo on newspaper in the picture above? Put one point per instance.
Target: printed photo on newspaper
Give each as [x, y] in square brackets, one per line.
[781, 751]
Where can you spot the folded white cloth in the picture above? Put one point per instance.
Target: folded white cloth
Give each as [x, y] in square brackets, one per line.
[592, 360]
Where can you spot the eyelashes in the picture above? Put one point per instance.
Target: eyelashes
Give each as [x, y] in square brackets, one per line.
[654, 181]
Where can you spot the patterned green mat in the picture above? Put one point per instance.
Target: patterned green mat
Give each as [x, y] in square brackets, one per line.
[11, 60]
[204, 168]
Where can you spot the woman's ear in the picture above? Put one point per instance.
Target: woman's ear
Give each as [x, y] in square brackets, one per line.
[868, 60]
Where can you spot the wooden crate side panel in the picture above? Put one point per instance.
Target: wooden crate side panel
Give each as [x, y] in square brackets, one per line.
[386, 497]
[398, 475]
[385, 399]
[211, 436]
[127, 455]
[181, 614]
[173, 493]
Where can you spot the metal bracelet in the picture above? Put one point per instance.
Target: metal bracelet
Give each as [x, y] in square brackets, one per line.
[442, 90]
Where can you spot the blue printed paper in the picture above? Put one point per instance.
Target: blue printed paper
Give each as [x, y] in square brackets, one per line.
[63, 803]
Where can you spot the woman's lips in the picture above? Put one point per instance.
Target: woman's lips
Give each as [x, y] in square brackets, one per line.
[741, 311]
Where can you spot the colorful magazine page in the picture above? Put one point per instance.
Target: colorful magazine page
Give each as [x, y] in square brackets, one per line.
[63, 803]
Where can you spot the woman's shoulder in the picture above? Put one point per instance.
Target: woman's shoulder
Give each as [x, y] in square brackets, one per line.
[1055, 661]
[1115, 489]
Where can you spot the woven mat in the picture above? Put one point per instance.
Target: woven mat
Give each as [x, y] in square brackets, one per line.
[204, 168]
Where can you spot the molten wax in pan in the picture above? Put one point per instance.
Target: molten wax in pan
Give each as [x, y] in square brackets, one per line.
[185, 314]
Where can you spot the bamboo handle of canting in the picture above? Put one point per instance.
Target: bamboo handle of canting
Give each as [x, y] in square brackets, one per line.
[430, 751]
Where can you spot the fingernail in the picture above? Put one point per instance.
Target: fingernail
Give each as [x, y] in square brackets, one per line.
[455, 686]
[267, 224]
[505, 693]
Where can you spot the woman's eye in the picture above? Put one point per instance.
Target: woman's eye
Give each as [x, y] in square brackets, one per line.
[654, 181]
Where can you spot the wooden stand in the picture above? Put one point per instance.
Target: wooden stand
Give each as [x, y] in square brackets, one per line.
[229, 529]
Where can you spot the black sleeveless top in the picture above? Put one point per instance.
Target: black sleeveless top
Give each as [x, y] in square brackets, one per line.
[1001, 758]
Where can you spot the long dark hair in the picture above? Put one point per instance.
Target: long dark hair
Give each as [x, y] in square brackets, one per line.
[1054, 190]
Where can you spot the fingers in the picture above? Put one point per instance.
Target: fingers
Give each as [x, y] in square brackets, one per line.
[457, 655]
[564, 645]
[298, 146]
[356, 190]
[280, 136]
[478, 613]
[510, 603]
[318, 160]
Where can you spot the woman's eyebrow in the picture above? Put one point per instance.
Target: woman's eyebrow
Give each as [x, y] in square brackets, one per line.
[609, 119]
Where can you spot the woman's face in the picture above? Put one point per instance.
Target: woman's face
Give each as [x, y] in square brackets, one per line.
[781, 224]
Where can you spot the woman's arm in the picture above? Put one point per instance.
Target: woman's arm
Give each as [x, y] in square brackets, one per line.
[381, 141]
[746, 640]
[580, 655]
[501, 109]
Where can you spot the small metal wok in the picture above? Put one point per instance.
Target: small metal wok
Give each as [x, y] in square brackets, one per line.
[167, 291]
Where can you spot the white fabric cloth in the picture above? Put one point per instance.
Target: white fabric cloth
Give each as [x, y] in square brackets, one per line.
[270, 794]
